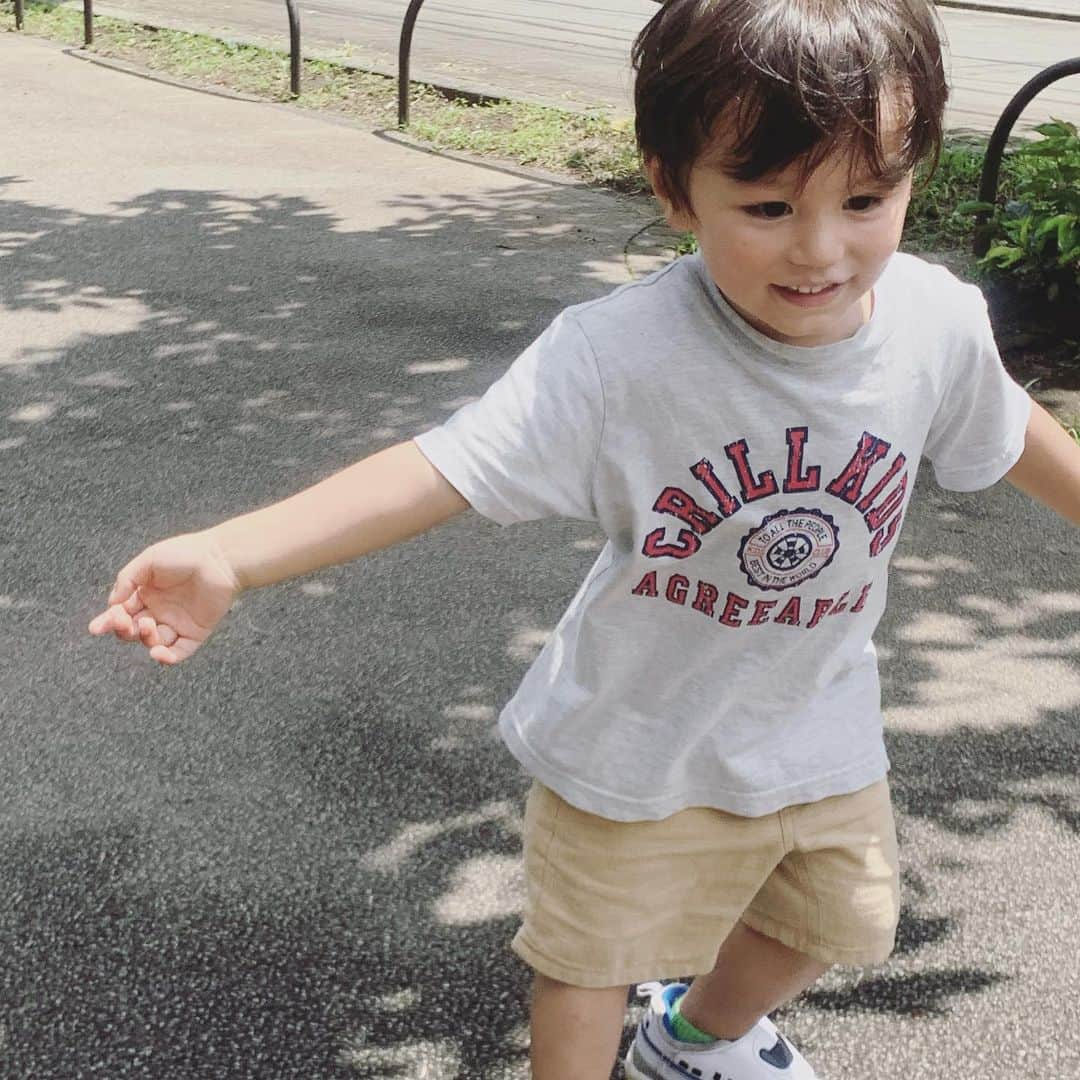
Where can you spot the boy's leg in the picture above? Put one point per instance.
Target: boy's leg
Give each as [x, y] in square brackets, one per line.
[575, 1030]
[844, 870]
[753, 975]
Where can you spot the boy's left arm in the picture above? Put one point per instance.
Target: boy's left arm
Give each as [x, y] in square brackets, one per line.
[1049, 467]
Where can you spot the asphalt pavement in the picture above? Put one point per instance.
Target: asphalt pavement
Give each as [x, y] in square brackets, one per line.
[297, 854]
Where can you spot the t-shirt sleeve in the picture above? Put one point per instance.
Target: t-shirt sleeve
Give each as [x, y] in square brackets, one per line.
[527, 449]
[977, 433]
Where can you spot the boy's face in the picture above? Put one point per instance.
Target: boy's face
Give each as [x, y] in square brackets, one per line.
[763, 240]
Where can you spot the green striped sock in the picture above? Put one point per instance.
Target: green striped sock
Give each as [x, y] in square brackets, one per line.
[682, 1029]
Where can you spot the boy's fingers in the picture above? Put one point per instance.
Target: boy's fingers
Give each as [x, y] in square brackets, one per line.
[136, 573]
[121, 590]
[180, 650]
[156, 635]
[184, 647]
[115, 621]
[133, 604]
[159, 633]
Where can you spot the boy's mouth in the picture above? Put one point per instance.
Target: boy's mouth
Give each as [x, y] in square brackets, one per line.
[807, 295]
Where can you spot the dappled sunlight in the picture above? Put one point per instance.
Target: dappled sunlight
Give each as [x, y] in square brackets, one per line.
[10, 603]
[43, 332]
[414, 1060]
[87, 288]
[939, 564]
[1031, 605]
[935, 628]
[266, 397]
[979, 651]
[434, 367]
[455, 403]
[110, 380]
[465, 723]
[486, 887]
[526, 643]
[392, 857]
[528, 219]
[34, 414]
[612, 273]
[316, 589]
[984, 684]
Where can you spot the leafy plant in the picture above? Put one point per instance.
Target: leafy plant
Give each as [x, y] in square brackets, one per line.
[1036, 234]
[932, 219]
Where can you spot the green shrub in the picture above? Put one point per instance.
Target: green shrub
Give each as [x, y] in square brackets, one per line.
[1035, 233]
[932, 219]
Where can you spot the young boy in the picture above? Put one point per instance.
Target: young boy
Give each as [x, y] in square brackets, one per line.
[704, 725]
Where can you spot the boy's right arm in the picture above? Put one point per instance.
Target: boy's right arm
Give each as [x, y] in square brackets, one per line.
[172, 595]
[381, 500]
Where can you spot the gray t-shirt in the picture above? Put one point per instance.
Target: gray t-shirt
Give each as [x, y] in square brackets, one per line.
[719, 651]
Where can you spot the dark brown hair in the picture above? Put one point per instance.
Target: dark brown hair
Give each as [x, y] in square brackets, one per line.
[780, 81]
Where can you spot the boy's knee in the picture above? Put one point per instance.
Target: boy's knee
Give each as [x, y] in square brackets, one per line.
[545, 984]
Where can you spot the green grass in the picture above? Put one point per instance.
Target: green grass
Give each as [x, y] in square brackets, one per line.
[590, 145]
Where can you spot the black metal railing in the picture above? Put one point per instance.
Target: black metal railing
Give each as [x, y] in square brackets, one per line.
[995, 150]
[295, 52]
[404, 50]
[295, 55]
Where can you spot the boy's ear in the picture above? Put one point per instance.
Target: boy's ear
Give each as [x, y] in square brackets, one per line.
[679, 220]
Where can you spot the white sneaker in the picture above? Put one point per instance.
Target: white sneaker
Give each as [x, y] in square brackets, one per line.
[655, 1054]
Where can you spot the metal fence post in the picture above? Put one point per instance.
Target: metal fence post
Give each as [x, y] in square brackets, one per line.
[18, 14]
[403, 61]
[88, 22]
[991, 170]
[294, 47]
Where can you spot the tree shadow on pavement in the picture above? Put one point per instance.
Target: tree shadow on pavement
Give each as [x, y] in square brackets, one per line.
[188, 893]
[980, 657]
[296, 855]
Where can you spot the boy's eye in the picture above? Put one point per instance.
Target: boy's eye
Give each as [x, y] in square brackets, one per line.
[768, 210]
[862, 202]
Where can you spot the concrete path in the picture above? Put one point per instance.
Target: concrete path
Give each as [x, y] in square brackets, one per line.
[577, 55]
[297, 855]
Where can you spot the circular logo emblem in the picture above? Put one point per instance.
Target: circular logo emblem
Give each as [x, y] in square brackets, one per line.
[788, 548]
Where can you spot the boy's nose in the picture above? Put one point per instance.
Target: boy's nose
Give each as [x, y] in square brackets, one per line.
[816, 247]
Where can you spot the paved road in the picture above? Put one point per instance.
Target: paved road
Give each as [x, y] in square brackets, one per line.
[559, 51]
[1049, 8]
[296, 855]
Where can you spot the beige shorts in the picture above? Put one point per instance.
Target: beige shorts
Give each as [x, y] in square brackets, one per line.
[614, 902]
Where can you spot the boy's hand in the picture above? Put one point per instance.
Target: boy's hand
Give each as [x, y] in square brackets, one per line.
[171, 597]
